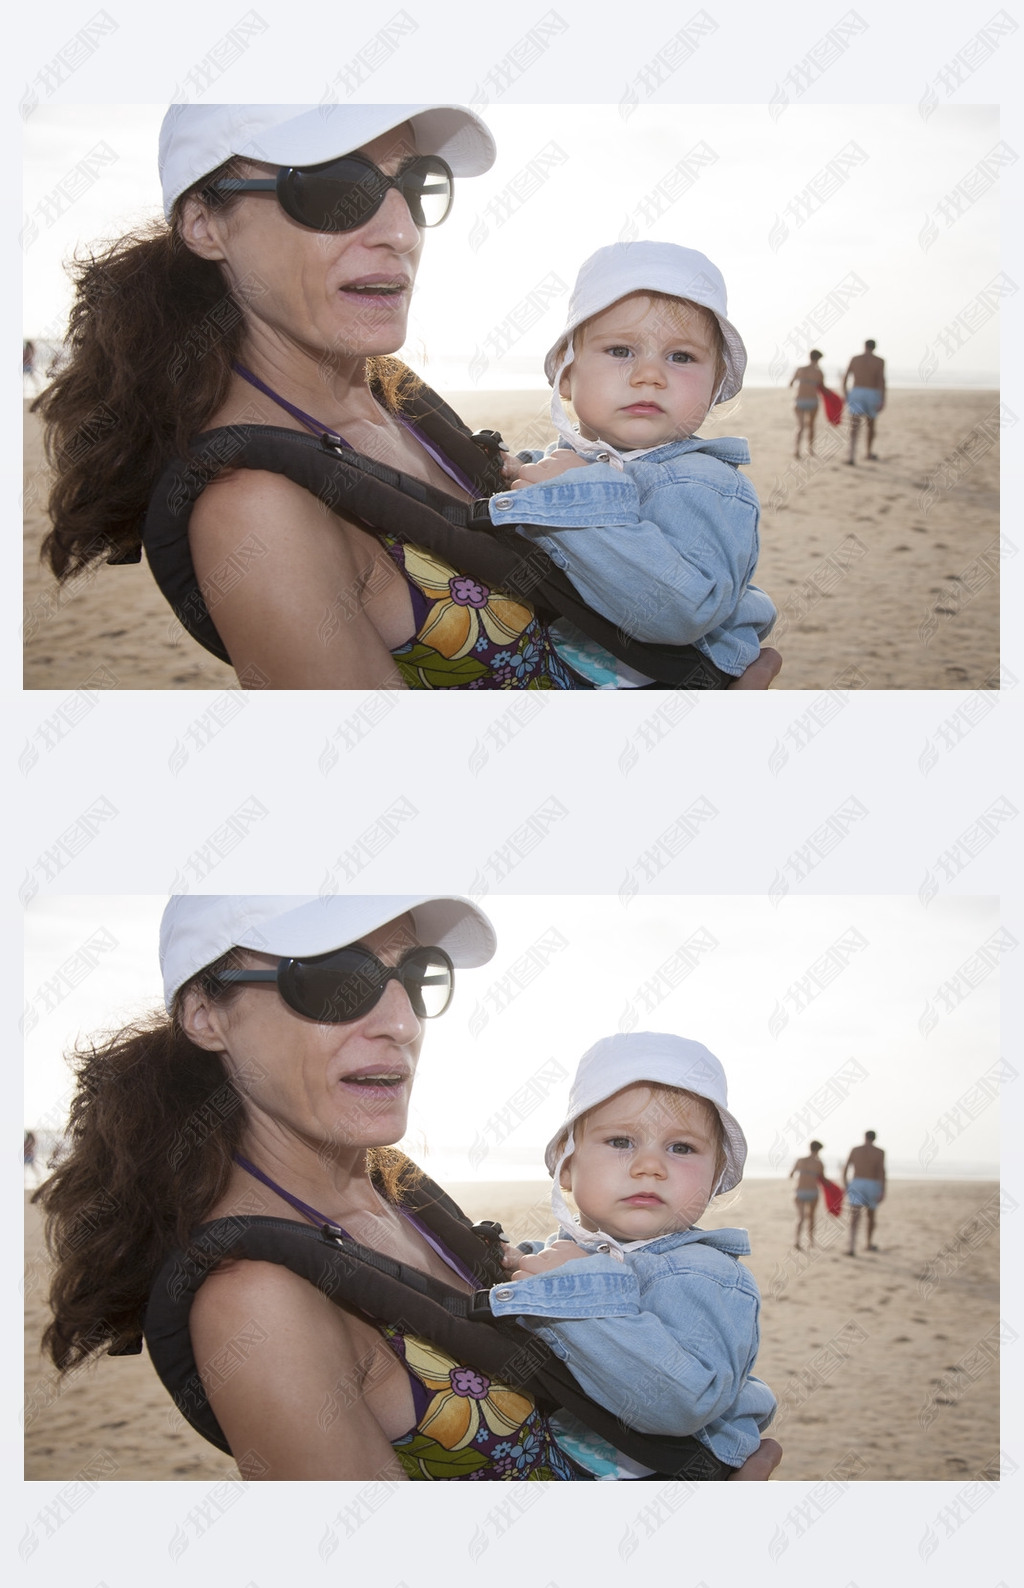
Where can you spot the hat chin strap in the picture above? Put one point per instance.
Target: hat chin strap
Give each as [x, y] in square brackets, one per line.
[570, 1221]
[592, 450]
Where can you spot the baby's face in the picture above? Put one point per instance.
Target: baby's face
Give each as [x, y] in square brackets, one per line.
[645, 1164]
[643, 373]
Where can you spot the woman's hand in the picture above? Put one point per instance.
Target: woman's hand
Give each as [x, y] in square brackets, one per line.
[761, 1464]
[547, 468]
[525, 1264]
[760, 673]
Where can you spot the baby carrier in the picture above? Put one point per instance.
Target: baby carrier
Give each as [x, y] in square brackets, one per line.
[383, 1290]
[387, 501]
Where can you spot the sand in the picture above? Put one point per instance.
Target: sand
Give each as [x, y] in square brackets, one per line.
[884, 1365]
[885, 575]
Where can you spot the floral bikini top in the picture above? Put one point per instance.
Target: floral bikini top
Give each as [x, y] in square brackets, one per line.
[469, 1425]
[470, 637]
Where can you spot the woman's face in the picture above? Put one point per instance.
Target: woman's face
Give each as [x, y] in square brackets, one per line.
[341, 293]
[347, 1086]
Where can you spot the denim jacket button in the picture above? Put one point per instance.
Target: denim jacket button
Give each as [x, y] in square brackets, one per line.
[502, 503]
[504, 1294]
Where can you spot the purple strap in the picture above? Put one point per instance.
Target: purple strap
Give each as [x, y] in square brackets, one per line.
[322, 1221]
[453, 1262]
[310, 423]
[452, 470]
[304, 1208]
[319, 429]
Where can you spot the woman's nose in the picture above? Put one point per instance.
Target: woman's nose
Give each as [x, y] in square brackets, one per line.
[393, 224]
[393, 1014]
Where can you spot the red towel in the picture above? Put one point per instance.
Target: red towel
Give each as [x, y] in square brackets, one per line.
[833, 1195]
[833, 404]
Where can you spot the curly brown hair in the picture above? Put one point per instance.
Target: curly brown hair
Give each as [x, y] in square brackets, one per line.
[154, 1125]
[152, 335]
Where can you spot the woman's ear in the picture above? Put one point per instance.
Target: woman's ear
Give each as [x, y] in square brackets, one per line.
[200, 228]
[202, 1020]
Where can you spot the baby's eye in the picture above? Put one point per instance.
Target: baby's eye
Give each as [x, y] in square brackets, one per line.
[682, 358]
[619, 351]
[681, 1147]
[622, 1142]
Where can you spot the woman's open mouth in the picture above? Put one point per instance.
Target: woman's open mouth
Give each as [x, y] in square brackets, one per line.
[376, 1083]
[378, 288]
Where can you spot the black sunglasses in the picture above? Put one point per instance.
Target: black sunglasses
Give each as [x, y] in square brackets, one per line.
[342, 194]
[346, 983]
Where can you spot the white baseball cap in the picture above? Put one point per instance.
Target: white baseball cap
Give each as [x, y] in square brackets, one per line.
[197, 929]
[627, 1059]
[196, 139]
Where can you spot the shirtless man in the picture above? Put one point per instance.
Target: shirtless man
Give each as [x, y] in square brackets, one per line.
[866, 397]
[808, 1170]
[865, 1188]
[807, 380]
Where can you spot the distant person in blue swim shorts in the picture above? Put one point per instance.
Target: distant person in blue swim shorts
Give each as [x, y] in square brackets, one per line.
[864, 1178]
[865, 399]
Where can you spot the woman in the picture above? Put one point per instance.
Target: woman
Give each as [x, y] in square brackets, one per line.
[273, 298]
[276, 1087]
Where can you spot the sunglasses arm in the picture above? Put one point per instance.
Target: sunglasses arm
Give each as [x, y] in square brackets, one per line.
[245, 975]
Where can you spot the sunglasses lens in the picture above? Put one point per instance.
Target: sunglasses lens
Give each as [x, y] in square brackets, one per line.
[345, 193]
[335, 988]
[332, 988]
[335, 197]
[428, 979]
[427, 189]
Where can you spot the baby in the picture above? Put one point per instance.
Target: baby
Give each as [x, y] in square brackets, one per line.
[659, 533]
[656, 1318]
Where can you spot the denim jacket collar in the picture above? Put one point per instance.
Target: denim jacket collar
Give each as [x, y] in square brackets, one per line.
[734, 1241]
[731, 449]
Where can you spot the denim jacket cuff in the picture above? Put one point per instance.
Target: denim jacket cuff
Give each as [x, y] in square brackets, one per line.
[597, 494]
[599, 1286]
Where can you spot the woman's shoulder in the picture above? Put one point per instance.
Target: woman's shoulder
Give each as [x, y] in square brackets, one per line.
[231, 1291]
[252, 496]
[247, 1304]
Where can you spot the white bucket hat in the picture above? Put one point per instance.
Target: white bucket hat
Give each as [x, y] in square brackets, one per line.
[616, 271]
[624, 1060]
[197, 929]
[196, 139]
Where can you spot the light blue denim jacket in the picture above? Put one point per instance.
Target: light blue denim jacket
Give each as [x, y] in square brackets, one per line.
[665, 548]
[666, 1339]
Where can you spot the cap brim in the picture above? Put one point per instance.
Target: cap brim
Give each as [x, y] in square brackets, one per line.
[324, 132]
[443, 921]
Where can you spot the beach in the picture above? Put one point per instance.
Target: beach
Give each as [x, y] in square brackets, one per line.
[885, 575]
[885, 1365]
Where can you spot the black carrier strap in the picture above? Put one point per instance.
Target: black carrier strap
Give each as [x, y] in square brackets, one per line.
[367, 1282]
[389, 502]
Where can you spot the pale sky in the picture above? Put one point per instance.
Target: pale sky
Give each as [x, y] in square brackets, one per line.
[831, 1015]
[820, 200]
